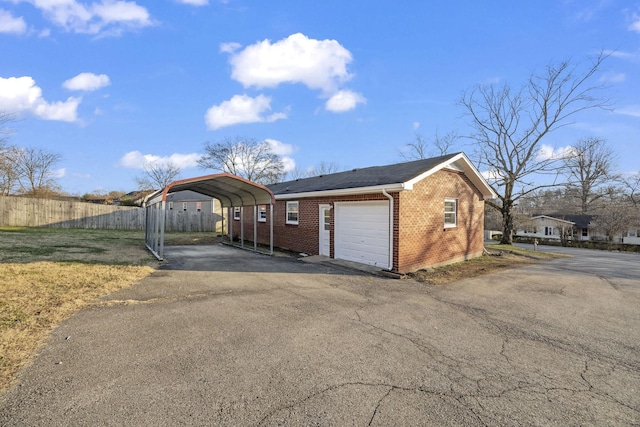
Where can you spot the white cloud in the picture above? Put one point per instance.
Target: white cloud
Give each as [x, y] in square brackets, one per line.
[137, 160]
[194, 2]
[241, 109]
[105, 16]
[284, 151]
[58, 173]
[289, 164]
[11, 24]
[229, 47]
[416, 125]
[279, 148]
[635, 23]
[631, 56]
[547, 152]
[318, 64]
[630, 110]
[20, 94]
[344, 100]
[87, 82]
[612, 77]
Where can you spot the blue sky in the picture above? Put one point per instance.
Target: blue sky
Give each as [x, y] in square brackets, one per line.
[111, 84]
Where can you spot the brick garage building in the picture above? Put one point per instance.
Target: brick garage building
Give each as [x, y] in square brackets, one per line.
[400, 217]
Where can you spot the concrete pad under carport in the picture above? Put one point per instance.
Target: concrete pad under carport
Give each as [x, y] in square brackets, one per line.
[289, 343]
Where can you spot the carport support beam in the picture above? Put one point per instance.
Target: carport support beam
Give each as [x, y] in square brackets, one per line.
[271, 229]
[255, 228]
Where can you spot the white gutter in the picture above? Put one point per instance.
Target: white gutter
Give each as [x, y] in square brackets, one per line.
[344, 191]
[390, 197]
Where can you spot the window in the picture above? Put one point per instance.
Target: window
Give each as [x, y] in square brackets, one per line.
[236, 213]
[199, 206]
[450, 212]
[292, 213]
[327, 220]
[170, 206]
[262, 213]
[184, 206]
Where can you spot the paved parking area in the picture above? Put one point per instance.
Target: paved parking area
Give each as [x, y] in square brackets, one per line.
[227, 337]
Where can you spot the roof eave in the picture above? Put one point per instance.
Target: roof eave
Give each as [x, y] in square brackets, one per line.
[342, 192]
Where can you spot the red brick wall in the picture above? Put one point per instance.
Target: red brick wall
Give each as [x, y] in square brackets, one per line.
[304, 236]
[419, 237]
[424, 241]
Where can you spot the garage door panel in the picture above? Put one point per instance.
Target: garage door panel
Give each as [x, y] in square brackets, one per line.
[362, 232]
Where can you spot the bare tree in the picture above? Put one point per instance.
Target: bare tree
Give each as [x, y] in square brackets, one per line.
[422, 148]
[157, 175]
[631, 185]
[323, 168]
[247, 158]
[8, 176]
[588, 168]
[5, 130]
[35, 171]
[510, 126]
[615, 217]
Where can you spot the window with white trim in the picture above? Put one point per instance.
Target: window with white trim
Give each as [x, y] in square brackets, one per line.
[170, 206]
[236, 213]
[199, 206]
[292, 213]
[184, 206]
[262, 213]
[450, 213]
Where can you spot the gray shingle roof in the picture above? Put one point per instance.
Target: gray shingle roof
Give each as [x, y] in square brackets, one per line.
[363, 177]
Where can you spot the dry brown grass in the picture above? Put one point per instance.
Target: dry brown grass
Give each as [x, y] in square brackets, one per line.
[37, 296]
[46, 275]
[499, 257]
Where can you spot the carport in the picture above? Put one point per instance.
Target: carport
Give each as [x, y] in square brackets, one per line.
[232, 191]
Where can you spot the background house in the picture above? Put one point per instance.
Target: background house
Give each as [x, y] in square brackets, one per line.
[400, 217]
[575, 227]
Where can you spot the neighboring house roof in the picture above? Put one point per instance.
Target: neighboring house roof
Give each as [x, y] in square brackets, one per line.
[396, 177]
[578, 220]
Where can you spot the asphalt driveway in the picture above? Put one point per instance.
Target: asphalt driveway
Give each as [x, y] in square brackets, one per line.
[227, 337]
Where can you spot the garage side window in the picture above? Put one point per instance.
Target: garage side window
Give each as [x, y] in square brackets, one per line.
[236, 213]
[292, 213]
[450, 212]
[262, 213]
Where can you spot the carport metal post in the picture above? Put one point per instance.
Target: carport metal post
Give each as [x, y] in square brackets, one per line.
[271, 228]
[255, 228]
[230, 224]
[242, 227]
[161, 216]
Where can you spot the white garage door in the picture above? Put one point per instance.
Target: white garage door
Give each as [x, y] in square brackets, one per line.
[362, 232]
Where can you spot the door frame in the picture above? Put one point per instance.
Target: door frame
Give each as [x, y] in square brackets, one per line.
[321, 230]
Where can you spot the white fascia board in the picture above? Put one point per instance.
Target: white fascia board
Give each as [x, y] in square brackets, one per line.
[344, 192]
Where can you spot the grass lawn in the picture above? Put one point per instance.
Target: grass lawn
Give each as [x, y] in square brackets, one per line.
[48, 274]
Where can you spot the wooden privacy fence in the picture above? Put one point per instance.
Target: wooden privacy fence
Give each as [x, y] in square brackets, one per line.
[29, 212]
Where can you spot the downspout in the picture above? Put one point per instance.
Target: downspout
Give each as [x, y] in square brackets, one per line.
[391, 219]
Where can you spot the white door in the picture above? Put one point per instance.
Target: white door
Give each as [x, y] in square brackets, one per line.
[362, 232]
[325, 230]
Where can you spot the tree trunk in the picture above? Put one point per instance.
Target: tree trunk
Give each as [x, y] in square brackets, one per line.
[507, 225]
